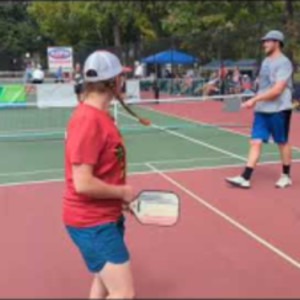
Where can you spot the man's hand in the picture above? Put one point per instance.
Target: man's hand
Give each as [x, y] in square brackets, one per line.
[249, 103]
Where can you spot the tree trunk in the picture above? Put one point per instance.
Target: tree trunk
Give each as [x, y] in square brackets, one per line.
[289, 26]
[117, 34]
[117, 38]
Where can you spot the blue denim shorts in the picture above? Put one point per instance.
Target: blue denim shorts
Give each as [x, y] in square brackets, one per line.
[100, 244]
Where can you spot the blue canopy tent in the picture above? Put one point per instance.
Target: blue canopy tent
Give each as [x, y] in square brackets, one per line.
[247, 64]
[170, 56]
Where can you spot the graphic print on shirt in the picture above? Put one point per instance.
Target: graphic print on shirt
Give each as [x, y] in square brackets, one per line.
[120, 155]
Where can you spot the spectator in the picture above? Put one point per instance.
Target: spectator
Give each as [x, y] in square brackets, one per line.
[211, 87]
[138, 71]
[78, 79]
[156, 89]
[168, 73]
[59, 75]
[38, 75]
[246, 84]
[28, 73]
[222, 77]
[187, 84]
[236, 80]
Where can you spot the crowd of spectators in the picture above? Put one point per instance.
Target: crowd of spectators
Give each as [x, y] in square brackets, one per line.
[220, 82]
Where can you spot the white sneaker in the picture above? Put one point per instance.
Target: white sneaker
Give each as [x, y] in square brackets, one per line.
[239, 181]
[284, 181]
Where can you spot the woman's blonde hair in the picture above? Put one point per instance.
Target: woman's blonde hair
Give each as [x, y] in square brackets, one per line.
[99, 87]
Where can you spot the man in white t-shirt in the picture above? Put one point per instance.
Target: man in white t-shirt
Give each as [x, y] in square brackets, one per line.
[38, 75]
[138, 72]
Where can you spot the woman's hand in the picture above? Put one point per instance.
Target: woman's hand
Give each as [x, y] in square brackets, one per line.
[128, 193]
[128, 197]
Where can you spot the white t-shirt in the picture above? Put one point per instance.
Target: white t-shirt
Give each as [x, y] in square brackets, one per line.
[38, 74]
[139, 71]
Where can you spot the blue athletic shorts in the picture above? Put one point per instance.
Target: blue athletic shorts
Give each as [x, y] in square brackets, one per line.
[276, 125]
[100, 244]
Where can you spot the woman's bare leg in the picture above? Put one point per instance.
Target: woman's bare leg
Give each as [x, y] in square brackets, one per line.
[98, 289]
[118, 280]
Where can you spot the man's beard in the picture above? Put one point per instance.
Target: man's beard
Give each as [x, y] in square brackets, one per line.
[269, 52]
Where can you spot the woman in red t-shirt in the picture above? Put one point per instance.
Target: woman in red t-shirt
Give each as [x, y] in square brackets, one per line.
[95, 175]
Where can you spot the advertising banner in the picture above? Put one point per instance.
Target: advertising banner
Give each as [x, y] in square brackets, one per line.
[133, 89]
[12, 94]
[60, 57]
[56, 95]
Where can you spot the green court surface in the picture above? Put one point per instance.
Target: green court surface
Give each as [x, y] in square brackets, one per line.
[170, 144]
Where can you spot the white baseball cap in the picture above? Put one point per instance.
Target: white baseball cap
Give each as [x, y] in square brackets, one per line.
[101, 65]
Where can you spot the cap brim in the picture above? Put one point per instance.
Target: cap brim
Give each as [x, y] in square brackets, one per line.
[270, 39]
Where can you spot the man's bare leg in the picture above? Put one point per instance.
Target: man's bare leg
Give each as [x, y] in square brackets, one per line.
[254, 153]
[243, 181]
[285, 153]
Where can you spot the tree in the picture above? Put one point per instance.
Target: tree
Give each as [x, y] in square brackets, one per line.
[19, 34]
[228, 29]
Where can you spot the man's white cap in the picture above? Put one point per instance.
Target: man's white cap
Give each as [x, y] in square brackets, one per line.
[274, 35]
[101, 65]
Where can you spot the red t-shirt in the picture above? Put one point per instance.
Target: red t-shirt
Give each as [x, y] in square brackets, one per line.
[92, 138]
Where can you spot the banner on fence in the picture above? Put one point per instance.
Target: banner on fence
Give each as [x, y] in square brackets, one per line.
[60, 57]
[12, 94]
[133, 90]
[56, 95]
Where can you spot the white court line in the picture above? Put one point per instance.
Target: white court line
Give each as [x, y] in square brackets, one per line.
[14, 174]
[44, 130]
[230, 220]
[219, 167]
[193, 140]
[195, 159]
[205, 123]
[175, 170]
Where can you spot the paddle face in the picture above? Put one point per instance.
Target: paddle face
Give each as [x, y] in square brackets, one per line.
[232, 104]
[156, 208]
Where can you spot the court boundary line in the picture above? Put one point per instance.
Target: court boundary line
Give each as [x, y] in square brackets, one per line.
[184, 118]
[228, 166]
[193, 140]
[129, 164]
[294, 262]
[166, 161]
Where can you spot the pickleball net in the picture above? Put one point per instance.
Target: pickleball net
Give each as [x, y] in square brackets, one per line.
[31, 122]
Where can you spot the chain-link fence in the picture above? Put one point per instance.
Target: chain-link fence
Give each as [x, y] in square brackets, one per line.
[206, 46]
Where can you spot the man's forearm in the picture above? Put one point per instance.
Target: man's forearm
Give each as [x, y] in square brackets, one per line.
[272, 93]
[269, 95]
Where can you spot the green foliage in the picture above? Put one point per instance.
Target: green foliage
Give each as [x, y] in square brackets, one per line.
[209, 29]
[18, 32]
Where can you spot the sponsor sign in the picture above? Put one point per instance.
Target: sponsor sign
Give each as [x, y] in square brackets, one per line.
[60, 57]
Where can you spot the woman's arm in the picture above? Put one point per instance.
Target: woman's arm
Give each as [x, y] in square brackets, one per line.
[86, 183]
